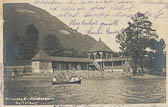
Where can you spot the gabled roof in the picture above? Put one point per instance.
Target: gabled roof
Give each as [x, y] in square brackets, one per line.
[41, 56]
[70, 59]
[100, 46]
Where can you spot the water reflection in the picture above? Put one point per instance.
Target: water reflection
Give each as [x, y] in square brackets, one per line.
[94, 91]
[116, 91]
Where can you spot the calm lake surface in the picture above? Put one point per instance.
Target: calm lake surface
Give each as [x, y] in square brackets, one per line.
[93, 91]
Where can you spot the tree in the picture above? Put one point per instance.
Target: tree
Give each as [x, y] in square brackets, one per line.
[52, 45]
[135, 39]
[28, 43]
[156, 59]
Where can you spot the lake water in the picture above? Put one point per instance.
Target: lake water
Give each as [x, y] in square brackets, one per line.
[93, 91]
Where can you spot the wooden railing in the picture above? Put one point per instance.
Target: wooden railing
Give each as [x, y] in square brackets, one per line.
[112, 59]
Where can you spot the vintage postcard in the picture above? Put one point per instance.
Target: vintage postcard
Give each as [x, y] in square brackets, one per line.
[85, 53]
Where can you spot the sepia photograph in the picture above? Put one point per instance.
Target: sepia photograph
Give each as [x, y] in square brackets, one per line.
[76, 52]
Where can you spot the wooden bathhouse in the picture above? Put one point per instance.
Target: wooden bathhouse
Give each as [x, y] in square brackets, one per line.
[99, 58]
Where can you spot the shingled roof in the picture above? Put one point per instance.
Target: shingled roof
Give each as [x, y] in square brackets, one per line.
[100, 46]
[42, 56]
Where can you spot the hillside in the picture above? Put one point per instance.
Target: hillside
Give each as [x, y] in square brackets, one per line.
[18, 15]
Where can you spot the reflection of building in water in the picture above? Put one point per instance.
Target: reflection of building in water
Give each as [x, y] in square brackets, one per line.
[99, 58]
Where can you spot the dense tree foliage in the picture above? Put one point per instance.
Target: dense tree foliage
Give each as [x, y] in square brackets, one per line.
[28, 43]
[139, 42]
[52, 45]
[155, 59]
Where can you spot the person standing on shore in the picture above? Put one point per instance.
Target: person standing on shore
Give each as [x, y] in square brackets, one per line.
[54, 79]
[14, 73]
[67, 78]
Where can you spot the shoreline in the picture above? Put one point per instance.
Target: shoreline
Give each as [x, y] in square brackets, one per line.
[85, 75]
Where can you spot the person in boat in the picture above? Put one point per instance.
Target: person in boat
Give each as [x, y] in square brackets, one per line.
[76, 78]
[80, 77]
[54, 79]
[72, 79]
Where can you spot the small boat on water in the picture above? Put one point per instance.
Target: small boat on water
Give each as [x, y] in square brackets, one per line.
[66, 82]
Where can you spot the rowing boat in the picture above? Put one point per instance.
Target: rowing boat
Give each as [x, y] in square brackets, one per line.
[66, 82]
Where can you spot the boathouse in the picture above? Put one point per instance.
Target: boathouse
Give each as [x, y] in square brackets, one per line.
[99, 58]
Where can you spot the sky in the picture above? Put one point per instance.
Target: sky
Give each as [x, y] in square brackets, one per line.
[106, 18]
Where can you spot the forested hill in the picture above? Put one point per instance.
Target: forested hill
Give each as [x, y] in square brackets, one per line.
[19, 17]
